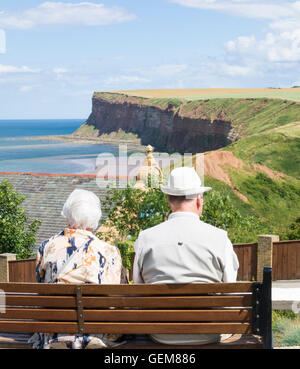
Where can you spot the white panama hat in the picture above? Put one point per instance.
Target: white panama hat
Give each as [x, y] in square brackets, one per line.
[184, 181]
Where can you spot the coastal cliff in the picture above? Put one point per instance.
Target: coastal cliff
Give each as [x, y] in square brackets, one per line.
[167, 124]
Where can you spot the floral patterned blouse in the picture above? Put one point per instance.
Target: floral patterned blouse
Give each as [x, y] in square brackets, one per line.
[77, 256]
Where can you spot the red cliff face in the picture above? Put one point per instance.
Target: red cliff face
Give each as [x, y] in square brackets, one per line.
[166, 128]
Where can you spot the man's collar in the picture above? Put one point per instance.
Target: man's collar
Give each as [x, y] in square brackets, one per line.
[183, 214]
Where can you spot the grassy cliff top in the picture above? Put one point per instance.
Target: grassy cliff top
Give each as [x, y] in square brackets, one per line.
[210, 93]
[249, 115]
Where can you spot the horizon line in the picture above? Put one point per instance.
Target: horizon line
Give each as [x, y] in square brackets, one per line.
[43, 118]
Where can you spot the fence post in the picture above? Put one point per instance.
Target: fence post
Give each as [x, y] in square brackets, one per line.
[265, 253]
[4, 266]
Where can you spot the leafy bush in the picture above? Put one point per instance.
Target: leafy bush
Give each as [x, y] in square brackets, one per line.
[293, 232]
[16, 235]
[131, 210]
[220, 212]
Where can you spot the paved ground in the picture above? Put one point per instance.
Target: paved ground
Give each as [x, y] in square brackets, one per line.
[286, 295]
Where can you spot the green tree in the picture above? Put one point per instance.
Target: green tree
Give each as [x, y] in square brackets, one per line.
[220, 212]
[16, 234]
[293, 232]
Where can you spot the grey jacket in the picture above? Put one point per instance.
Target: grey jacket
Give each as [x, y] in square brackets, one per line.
[184, 250]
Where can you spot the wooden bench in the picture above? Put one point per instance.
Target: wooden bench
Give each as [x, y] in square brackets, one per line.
[242, 309]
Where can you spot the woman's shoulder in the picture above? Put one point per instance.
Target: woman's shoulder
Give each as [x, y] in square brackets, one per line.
[49, 241]
[106, 246]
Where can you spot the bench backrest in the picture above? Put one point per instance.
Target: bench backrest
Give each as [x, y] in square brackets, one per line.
[139, 309]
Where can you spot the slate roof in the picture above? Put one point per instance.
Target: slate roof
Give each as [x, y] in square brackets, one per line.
[47, 193]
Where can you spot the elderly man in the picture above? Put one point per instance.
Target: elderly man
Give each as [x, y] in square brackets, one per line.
[184, 249]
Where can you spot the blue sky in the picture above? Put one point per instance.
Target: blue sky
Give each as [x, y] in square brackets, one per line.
[55, 54]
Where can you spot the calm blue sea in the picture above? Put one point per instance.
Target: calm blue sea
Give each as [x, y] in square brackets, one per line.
[18, 154]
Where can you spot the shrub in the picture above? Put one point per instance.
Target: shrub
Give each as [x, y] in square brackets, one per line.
[286, 328]
[16, 235]
[293, 232]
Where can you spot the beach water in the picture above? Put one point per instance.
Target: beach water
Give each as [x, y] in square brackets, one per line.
[19, 154]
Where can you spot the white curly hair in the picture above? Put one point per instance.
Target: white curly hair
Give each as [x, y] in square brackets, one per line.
[82, 210]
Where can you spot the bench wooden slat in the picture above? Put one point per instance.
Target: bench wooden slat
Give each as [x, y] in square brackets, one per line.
[124, 328]
[46, 301]
[140, 289]
[131, 302]
[133, 315]
[41, 314]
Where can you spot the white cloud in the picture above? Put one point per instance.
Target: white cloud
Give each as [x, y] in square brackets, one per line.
[275, 47]
[26, 88]
[126, 79]
[60, 70]
[281, 43]
[265, 9]
[4, 69]
[59, 13]
[169, 70]
[237, 70]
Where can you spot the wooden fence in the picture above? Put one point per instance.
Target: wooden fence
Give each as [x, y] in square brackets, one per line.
[286, 260]
[285, 263]
[247, 255]
[22, 270]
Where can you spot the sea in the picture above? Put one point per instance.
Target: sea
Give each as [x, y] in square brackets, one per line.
[20, 154]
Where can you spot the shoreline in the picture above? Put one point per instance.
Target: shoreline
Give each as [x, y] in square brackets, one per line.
[83, 163]
[132, 144]
[78, 139]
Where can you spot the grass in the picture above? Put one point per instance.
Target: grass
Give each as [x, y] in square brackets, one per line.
[244, 208]
[211, 93]
[276, 150]
[289, 130]
[289, 95]
[286, 328]
[269, 198]
[86, 131]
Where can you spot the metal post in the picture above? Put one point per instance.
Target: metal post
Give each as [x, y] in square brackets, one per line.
[266, 308]
[80, 313]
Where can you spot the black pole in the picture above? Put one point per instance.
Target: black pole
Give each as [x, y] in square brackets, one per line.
[266, 309]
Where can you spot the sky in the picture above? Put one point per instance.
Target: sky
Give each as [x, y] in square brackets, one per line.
[55, 54]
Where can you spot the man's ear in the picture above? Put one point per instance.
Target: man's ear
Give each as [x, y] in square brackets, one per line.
[199, 202]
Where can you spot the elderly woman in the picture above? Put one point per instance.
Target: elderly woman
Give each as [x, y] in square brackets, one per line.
[76, 255]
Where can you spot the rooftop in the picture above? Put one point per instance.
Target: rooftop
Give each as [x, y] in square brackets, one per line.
[46, 194]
